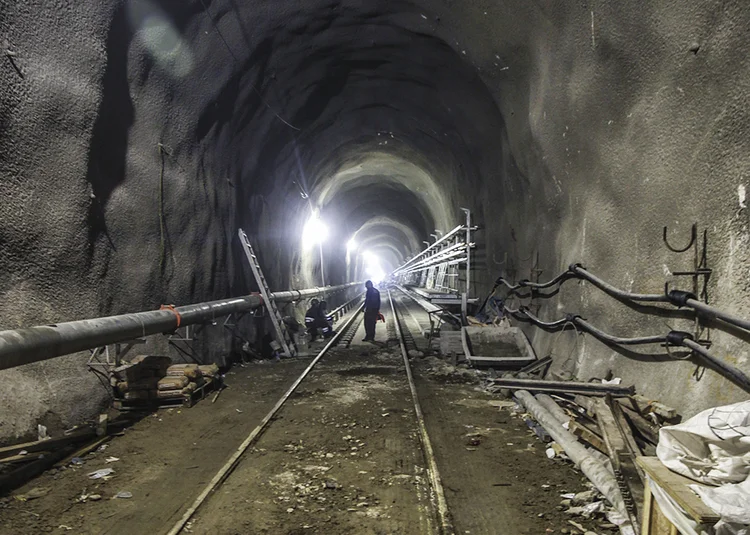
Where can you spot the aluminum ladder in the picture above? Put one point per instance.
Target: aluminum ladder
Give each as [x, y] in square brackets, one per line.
[283, 336]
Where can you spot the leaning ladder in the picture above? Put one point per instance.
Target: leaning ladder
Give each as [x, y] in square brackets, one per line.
[285, 339]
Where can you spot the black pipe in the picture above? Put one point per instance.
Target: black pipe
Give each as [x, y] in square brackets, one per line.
[675, 297]
[674, 338]
[33, 344]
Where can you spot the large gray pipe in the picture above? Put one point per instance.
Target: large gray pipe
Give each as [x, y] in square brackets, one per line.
[554, 409]
[33, 344]
[591, 467]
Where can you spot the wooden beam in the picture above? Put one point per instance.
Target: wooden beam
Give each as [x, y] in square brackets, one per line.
[46, 445]
[583, 432]
[618, 441]
[677, 487]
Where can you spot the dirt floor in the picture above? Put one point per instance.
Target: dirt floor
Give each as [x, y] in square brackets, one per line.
[342, 457]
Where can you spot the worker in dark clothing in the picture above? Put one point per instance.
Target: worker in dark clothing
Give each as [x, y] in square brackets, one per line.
[316, 321]
[372, 311]
[324, 322]
[311, 317]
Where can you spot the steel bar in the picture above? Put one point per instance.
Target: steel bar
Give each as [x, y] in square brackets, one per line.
[453, 250]
[443, 261]
[568, 387]
[446, 524]
[538, 365]
[231, 463]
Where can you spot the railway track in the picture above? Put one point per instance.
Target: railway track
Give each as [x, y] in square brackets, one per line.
[398, 331]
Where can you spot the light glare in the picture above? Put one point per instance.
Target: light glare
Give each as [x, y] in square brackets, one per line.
[372, 267]
[315, 231]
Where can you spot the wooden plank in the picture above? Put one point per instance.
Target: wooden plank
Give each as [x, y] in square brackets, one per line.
[46, 445]
[588, 435]
[15, 459]
[646, 429]
[648, 503]
[608, 427]
[83, 451]
[625, 431]
[21, 475]
[622, 457]
[677, 487]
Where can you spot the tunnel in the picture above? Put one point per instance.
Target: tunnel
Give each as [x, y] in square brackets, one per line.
[346, 136]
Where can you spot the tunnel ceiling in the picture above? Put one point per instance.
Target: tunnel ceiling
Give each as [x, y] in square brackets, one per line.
[353, 104]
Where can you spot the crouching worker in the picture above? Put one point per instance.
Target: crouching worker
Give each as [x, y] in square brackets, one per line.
[325, 325]
[316, 322]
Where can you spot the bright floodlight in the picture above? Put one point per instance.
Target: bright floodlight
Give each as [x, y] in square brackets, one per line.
[351, 246]
[372, 267]
[315, 231]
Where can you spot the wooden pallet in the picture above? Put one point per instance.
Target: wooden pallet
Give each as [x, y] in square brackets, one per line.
[188, 400]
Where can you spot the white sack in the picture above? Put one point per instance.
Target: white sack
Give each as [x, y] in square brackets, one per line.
[711, 447]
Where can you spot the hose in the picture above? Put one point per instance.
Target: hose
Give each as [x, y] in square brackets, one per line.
[676, 298]
[673, 338]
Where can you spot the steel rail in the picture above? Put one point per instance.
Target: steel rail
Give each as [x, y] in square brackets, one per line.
[255, 434]
[34, 344]
[445, 523]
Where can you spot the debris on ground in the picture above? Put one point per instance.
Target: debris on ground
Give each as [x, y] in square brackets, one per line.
[33, 494]
[100, 474]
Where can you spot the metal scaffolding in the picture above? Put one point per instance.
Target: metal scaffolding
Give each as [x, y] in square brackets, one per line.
[435, 272]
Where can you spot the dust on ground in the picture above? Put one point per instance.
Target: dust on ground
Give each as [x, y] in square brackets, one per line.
[343, 456]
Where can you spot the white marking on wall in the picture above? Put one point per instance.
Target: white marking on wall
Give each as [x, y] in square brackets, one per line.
[583, 239]
[593, 39]
[742, 194]
[667, 272]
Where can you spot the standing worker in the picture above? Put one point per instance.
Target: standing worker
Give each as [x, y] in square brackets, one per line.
[372, 311]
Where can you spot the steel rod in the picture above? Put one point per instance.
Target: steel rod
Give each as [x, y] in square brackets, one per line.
[573, 387]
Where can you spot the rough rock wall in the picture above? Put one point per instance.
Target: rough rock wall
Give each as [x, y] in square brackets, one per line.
[138, 135]
[635, 118]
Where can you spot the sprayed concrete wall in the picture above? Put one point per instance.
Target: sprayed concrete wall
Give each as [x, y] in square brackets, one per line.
[138, 135]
